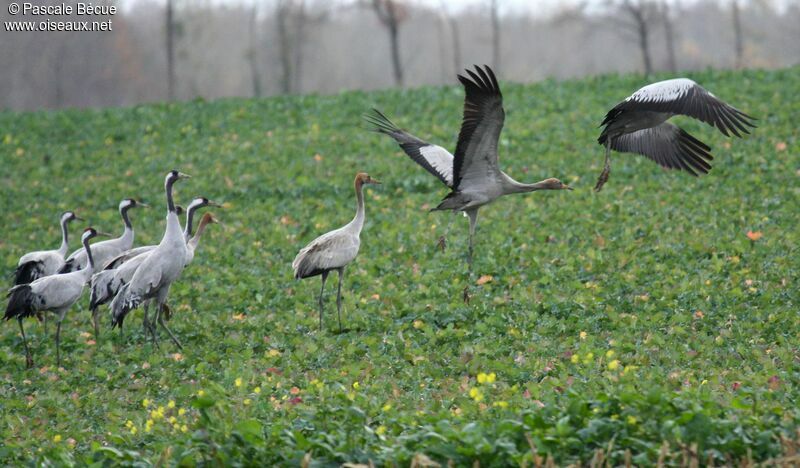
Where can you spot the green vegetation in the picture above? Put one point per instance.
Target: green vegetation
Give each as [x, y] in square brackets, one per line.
[640, 320]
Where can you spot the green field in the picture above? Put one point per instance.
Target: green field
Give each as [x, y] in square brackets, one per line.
[639, 322]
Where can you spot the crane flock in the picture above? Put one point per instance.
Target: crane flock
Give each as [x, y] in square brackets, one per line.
[127, 277]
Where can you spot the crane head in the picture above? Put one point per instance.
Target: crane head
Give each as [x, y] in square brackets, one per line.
[555, 184]
[364, 178]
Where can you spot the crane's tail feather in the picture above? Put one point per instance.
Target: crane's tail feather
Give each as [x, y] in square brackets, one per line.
[101, 289]
[123, 302]
[69, 266]
[28, 272]
[21, 302]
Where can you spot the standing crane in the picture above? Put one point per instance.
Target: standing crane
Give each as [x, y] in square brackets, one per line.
[55, 293]
[197, 203]
[334, 250]
[106, 250]
[473, 174]
[639, 125]
[158, 271]
[35, 265]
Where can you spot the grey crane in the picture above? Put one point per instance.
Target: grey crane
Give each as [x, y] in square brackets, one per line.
[196, 204]
[473, 174]
[158, 271]
[106, 250]
[120, 269]
[639, 125]
[334, 250]
[35, 265]
[55, 293]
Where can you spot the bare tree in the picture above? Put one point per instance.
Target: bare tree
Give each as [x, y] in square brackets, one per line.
[252, 56]
[738, 42]
[170, 45]
[452, 23]
[391, 13]
[669, 36]
[282, 12]
[495, 34]
[637, 13]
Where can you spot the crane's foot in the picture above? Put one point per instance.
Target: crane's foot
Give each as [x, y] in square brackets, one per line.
[29, 362]
[441, 244]
[465, 296]
[167, 312]
[603, 178]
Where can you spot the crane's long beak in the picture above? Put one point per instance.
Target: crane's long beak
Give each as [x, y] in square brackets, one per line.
[143, 205]
[181, 175]
[567, 187]
[103, 234]
[218, 205]
[374, 181]
[78, 218]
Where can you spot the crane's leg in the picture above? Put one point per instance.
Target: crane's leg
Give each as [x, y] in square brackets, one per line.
[442, 242]
[321, 291]
[28, 357]
[339, 299]
[601, 181]
[58, 340]
[150, 327]
[96, 322]
[164, 324]
[473, 221]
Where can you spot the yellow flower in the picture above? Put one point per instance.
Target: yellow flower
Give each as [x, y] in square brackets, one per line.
[356, 385]
[134, 430]
[201, 393]
[491, 377]
[381, 430]
[181, 412]
[171, 404]
[257, 390]
[184, 428]
[273, 353]
[476, 394]
[613, 365]
[629, 369]
[632, 420]
[610, 353]
[145, 403]
[246, 401]
[501, 404]
[238, 382]
[176, 427]
[588, 358]
[173, 419]
[57, 438]
[129, 424]
[418, 324]
[575, 358]
[386, 407]
[583, 335]
[149, 423]
[482, 377]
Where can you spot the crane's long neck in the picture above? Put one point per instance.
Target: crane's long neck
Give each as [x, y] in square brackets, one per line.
[173, 223]
[90, 267]
[512, 186]
[201, 228]
[127, 234]
[358, 221]
[187, 230]
[64, 238]
[168, 189]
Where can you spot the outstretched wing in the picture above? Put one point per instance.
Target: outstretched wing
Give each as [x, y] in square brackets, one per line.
[476, 151]
[669, 146]
[685, 97]
[433, 158]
